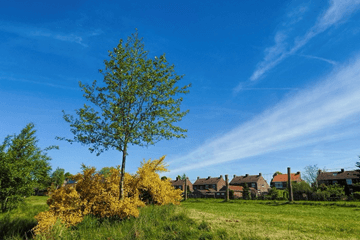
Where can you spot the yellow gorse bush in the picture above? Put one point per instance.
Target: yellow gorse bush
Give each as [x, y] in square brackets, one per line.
[98, 195]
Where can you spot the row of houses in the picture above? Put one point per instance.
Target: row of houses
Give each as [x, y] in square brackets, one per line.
[215, 187]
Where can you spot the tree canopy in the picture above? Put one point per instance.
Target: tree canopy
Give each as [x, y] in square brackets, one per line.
[23, 166]
[58, 177]
[310, 173]
[137, 103]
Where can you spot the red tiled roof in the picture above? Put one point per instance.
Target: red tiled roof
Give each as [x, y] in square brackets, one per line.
[284, 177]
[234, 188]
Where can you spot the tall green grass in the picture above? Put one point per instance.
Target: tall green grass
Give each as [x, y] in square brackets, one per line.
[154, 222]
[17, 223]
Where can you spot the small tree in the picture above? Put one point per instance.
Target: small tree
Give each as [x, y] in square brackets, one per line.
[105, 171]
[137, 104]
[310, 173]
[246, 192]
[58, 177]
[23, 166]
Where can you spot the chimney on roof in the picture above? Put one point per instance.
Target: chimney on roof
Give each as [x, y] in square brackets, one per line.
[246, 175]
[220, 176]
[319, 171]
[198, 178]
[177, 178]
[234, 176]
[209, 177]
[342, 170]
[259, 174]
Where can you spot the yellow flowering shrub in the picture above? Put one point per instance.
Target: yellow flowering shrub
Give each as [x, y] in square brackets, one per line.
[98, 195]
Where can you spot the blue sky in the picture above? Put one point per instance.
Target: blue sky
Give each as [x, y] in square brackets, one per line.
[274, 84]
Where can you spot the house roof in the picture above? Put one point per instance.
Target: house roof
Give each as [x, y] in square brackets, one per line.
[338, 175]
[179, 182]
[284, 177]
[234, 188]
[245, 179]
[205, 191]
[209, 180]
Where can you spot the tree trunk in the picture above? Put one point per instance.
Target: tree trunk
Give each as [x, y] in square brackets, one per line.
[121, 185]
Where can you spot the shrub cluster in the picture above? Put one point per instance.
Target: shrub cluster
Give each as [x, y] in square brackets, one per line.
[97, 195]
[303, 191]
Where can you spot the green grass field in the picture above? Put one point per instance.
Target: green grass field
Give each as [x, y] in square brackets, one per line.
[18, 222]
[203, 219]
[279, 220]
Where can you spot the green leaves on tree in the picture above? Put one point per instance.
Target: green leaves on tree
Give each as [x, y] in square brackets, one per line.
[137, 103]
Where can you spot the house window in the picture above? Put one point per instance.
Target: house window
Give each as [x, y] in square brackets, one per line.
[213, 186]
[181, 187]
[252, 185]
[223, 194]
[334, 174]
[194, 187]
[349, 181]
[218, 194]
[335, 181]
[278, 185]
[207, 186]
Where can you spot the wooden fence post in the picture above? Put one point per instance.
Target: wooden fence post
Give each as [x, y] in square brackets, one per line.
[227, 187]
[291, 197]
[185, 198]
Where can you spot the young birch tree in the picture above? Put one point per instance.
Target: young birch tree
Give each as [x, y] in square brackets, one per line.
[138, 103]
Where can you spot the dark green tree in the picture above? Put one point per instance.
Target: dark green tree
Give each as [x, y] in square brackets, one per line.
[105, 171]
[246, 192]
[58, 177]
[68, 175]
[182, 177]
[138, 103]
[23, 167]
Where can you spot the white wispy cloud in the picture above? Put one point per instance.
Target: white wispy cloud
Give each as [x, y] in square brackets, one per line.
[319, 58]
[297, 121]
[44, 83]
[32, 32]
[336, 13]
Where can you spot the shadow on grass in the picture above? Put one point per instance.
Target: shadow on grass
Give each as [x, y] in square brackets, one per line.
[16, 227]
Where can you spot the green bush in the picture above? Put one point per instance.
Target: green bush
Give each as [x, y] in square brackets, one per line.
[356, 195]
[276, 194]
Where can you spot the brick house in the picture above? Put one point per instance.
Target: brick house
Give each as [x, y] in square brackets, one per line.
[280, 180]
[207, 187]
[238, 192]
[180, 184]
[256, 182]
[342, 178]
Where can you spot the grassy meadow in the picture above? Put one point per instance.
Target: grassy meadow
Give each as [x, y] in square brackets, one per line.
[279, 220]
[202, 219]
[19, 221]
